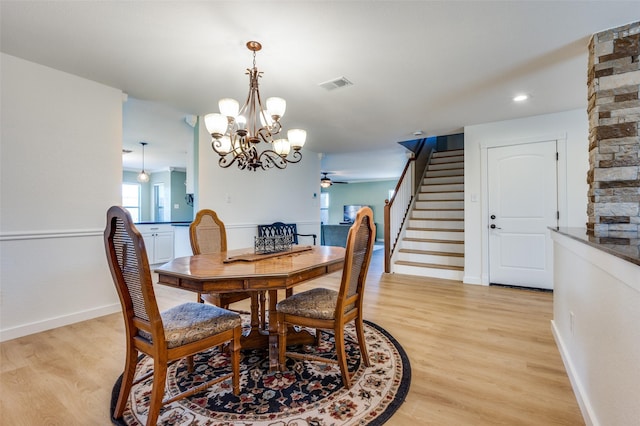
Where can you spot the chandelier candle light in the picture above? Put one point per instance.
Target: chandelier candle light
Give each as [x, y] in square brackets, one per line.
[236, 134]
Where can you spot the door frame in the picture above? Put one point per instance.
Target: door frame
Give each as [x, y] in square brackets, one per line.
[561, 164]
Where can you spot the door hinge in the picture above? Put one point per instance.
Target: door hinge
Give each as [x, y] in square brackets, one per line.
[557, 156]
[557, 215]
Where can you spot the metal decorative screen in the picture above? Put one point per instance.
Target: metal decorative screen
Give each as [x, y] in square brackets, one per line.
[273, 244]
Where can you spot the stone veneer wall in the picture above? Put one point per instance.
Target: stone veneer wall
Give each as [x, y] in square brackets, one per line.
[614, 136]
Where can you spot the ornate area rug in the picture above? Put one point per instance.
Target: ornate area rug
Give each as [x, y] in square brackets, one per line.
[308, 393]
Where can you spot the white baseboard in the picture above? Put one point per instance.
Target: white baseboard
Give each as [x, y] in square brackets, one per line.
[471, 280]
[586, 409]
[50, 323]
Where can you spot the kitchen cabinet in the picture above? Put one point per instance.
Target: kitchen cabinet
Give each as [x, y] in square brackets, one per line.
[158, 240]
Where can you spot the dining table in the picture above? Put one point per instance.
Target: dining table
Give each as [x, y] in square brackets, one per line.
[243, 270]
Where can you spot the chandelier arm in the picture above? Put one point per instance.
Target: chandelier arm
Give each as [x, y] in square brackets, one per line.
[270, 159]
[225, 163]
[267, 133]
[294, 157]
[215, 145]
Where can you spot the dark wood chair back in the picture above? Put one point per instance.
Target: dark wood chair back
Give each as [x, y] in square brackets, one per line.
[284, 229]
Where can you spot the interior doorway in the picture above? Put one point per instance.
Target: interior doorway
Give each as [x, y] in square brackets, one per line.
[522, 203]
[158, 203]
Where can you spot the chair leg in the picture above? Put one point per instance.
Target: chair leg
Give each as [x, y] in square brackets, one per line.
[282, 341]
[127, 381]
[235, 360]
[361, 342]
[342, 356]
[157, 390]
[263, 310]
[190, 363]
[199, 299]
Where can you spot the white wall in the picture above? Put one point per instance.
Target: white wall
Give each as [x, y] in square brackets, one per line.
[61, 168]
[600, 346]
[244, 199]
[571, 128]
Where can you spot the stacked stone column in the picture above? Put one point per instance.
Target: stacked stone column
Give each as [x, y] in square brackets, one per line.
[614, 136]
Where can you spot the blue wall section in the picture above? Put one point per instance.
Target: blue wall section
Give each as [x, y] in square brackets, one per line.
[368, 193]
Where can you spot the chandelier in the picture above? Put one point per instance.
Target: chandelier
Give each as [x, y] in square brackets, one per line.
[238, 132]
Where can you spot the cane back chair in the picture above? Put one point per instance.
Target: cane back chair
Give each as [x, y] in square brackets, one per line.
[179, 332]
[322, 308]
[207, 234]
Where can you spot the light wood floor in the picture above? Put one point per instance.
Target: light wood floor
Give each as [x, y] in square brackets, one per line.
[479, 356]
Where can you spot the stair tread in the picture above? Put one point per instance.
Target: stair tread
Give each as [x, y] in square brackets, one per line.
[441, 192]
[438, 210]
[432, 252]
[445, 199]
[430, 265]
[443, 168]
[448, 153]
[433, 240]
[453, 219]
[442, 183]
[413, 228]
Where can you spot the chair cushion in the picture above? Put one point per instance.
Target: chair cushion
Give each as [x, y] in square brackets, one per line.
[319, 303]
[192, 321]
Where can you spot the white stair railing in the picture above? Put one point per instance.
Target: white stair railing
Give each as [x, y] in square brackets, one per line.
[395, 211]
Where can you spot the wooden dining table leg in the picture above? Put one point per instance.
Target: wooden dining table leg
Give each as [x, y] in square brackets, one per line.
[257, 337]
[273, 331]
[255, 320]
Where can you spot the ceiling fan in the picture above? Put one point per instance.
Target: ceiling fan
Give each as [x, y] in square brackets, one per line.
[325, 182]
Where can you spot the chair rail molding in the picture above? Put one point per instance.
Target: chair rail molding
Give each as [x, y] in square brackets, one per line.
[53, 233]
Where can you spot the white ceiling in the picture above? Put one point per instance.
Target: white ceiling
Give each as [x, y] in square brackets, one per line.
[416, 65]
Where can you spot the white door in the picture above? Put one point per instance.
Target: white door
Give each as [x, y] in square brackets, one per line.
[523, 203]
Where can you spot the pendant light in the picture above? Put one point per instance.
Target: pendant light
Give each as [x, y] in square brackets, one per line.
[143, 176]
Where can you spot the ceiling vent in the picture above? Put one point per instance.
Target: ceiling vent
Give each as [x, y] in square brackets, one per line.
[336, 83]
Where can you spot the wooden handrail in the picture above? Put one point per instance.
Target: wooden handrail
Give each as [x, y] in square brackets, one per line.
[404, 173]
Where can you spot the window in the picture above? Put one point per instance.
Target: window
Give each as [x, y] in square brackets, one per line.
[131, 200]
[324, 207]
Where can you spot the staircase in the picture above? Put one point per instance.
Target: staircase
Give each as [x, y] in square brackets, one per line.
[433, 243]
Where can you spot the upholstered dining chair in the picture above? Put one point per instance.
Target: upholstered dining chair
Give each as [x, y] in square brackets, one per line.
[179, 332]
[322, 308]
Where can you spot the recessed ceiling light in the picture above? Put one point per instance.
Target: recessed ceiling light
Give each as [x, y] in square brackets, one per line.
[520, 98]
